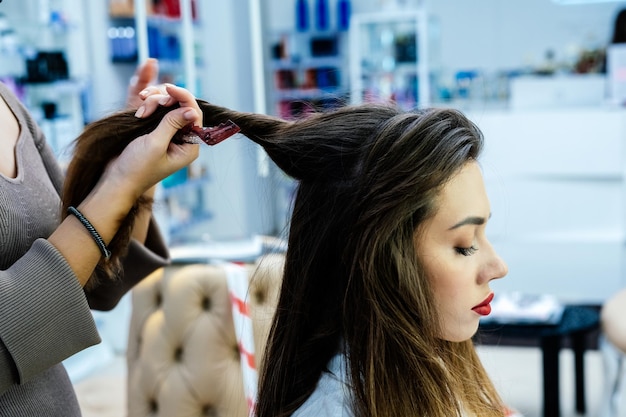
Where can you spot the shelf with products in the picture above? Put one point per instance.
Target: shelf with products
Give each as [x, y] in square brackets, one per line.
[58, 106]
[41, 57]
[169, 9]
[391, 57]
[307, 69]
[162, 30]
[164, 44]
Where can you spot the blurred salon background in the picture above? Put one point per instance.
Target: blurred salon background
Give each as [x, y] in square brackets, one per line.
[544, 79]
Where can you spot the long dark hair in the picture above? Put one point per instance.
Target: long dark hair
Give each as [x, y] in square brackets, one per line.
[368, 176]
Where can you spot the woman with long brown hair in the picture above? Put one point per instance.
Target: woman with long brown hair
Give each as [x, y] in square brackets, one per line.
[387, 269]
[388, 265]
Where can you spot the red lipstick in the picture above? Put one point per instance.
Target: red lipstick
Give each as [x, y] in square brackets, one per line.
[484, 308]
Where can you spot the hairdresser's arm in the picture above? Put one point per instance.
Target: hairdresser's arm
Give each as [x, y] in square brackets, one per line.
[147, 250]
[44, 314]
[144, 162]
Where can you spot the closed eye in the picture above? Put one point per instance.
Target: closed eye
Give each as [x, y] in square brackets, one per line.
[466, 251]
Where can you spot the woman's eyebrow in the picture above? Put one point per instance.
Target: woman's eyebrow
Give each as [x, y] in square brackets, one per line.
[472, 220]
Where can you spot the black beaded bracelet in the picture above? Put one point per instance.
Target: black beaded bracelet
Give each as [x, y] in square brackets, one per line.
[92, 230]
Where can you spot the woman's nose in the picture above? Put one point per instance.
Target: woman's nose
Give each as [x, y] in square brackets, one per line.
[500, 267]
[495, 266]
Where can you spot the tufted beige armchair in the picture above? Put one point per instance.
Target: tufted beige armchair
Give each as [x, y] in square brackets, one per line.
[183, 358]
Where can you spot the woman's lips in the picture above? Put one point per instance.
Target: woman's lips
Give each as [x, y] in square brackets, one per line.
[484, 308]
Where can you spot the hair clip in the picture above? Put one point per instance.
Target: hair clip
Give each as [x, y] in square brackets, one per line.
[209, 135]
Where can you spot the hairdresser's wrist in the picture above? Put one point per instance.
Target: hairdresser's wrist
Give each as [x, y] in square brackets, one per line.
[106, 207]
[124, 186]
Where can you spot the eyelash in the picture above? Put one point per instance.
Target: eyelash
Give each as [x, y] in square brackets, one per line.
[466, 251]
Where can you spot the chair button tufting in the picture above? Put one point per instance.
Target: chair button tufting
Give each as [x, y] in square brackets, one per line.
[206, 303]
[154, 407]
[259, 296]
[209, 411]
[237, 353]
[178, 354]
[158, 299]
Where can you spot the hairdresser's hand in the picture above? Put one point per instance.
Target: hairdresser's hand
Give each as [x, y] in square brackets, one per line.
[158, 95]
[144, 76]
[152, 157]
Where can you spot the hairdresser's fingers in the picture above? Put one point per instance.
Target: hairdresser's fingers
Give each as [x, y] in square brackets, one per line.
[152, 101]
[152, 157]
[174, 121]
[179, 95]
[152, 90]
[170, 157]
[160, 139]
[185, 98]
[173, 95]
[145, 75]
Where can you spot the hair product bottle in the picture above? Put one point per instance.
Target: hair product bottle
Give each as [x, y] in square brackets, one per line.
[321, 14]
[343, 14]
[302, 15]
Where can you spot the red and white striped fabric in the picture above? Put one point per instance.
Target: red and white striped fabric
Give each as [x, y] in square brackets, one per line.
[238, 284]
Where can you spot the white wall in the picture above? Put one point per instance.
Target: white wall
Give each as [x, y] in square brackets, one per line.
[555, 178]
[494, 34]
[509, 34]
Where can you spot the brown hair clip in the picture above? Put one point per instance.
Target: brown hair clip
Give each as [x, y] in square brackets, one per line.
[209, 135]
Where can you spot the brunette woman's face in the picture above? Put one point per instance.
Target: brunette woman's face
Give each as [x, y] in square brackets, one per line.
[457, 257]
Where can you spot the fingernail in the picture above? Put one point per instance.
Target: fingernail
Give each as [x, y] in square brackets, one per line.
[190, 115]
[163, 101]
[140, 111]
[143, 93]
